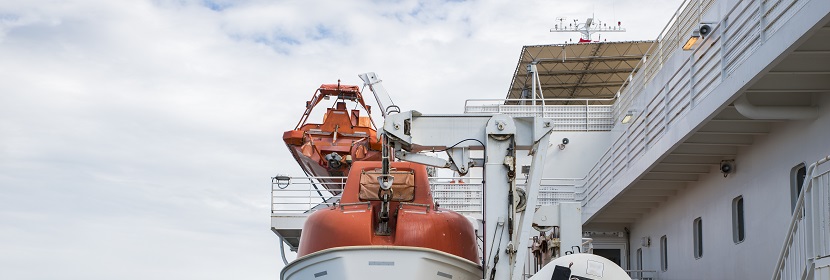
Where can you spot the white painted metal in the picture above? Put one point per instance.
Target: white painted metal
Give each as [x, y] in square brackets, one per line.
[587, 266]
[500, 136]
[679, 100]
[673, 94]
[774, 112]
[381, 96]
[822, 269]
[547, 216]
[301, 194]
[524, 219]
[590, 115]
[381, 262]
[460, 194]
[566, 216]
[588, 28]
[808, 237]
[497, 189]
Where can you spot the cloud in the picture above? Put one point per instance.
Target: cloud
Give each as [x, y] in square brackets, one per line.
[138, 137]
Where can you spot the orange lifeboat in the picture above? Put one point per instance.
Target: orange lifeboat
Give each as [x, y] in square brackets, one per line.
[413, 219]
[343, 137]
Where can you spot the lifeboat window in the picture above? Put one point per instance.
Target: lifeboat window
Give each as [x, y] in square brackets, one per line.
[698, 237]
[403, 185]
[738, 232]
[797, 177]
[664, 254]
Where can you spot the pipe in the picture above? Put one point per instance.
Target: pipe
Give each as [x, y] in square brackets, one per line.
[774, 112]
[282, 251]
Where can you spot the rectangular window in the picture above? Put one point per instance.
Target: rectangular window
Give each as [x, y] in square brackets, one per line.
[664, 254]
[698, 234]
[738, 228]
[797, 176]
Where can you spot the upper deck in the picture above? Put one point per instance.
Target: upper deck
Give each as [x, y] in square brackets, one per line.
[681, 111]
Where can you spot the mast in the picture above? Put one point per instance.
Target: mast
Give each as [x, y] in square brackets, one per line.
[586, 29]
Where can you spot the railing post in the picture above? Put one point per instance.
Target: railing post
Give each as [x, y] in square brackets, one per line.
[808, 218]
[723, 38]
[587, 117]
[763, 19]
[692, 72]
[272, 198]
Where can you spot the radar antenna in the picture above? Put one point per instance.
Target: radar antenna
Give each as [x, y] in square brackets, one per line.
[586, 29]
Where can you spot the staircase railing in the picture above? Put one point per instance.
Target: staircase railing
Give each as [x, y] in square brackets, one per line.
[808, 238]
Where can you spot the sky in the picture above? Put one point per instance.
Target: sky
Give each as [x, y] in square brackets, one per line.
[138, 137]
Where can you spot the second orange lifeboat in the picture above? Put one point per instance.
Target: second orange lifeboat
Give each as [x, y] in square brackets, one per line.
[344, 136]
[413, 220]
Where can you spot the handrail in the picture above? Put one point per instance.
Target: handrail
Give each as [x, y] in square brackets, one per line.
[657, 43]
[460, 194]
[805, 215]
[503, 101]
[693, 76]
[589, 115]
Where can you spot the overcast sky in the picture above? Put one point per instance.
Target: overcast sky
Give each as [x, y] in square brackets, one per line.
[137, 137]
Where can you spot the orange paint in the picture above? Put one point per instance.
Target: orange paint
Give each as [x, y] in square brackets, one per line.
[415, 223]
[343, 131]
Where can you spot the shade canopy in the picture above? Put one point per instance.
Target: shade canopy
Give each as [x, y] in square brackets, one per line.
[585, 70]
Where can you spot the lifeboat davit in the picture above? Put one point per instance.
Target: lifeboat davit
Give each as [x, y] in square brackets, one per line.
[329, 148]
[352, 240]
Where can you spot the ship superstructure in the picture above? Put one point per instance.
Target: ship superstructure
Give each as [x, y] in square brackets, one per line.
[699, 155]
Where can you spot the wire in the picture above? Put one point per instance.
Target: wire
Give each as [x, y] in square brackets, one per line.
[459, 142]
[498, 248]
[308, 176]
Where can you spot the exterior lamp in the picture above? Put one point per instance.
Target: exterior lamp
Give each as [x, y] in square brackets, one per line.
[701, 32]
[281, 181]
[628, 116]
[692, 40]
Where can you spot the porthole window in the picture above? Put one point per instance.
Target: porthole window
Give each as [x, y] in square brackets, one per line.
[698, 237]
[664, 254]
[797, 176]
[738, 229]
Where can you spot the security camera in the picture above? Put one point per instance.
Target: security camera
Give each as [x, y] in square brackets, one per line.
[727, 167]
[704, 30]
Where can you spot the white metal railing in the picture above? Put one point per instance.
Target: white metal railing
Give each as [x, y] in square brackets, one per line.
[463, 195]
[301, 194]
[460, 194]
[568, 114]
[656, 107]
[808, 237]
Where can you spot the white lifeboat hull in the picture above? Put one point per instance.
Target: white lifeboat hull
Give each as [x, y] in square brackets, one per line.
[381, 262]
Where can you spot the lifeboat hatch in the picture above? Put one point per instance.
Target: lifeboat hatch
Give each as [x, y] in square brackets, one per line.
[401, 191]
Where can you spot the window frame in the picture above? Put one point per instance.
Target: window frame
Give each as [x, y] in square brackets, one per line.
[799, 171]
[697, 232]
[738, 220]
[664, 253]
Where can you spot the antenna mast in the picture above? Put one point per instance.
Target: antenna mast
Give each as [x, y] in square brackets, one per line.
[586, 29]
